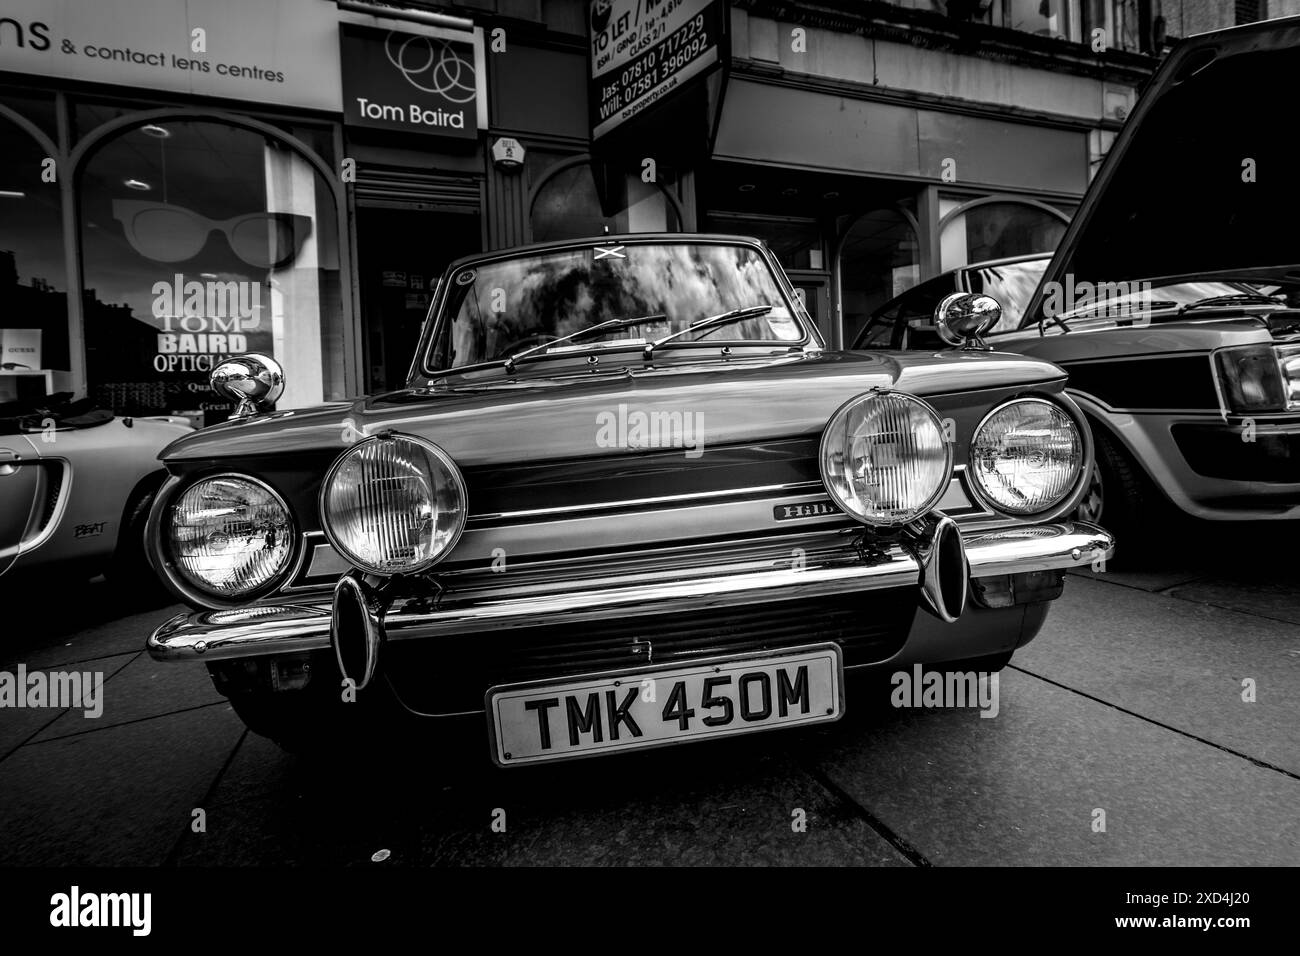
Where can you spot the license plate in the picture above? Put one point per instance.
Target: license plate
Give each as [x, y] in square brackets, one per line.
[658, 705]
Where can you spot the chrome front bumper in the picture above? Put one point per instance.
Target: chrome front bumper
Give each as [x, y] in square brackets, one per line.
[713, 577]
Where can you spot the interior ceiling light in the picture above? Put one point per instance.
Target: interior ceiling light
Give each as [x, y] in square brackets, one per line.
[746, 187]
[156, 131]
[139, 184]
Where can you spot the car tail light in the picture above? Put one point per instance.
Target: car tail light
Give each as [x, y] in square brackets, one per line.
[1251, 377]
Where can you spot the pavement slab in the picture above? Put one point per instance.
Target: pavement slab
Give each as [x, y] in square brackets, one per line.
[1179, 663]
[120, 796]
[1022, 788]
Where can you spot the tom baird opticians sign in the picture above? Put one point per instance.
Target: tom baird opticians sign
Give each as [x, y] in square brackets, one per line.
[643, 50]
[409, 81]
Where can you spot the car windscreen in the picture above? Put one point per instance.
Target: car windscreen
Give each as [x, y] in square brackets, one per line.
[499, 308]
[1102, 304]
[1012, 284]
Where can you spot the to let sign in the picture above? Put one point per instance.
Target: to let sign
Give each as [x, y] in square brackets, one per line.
[414, 82]
[645, 50]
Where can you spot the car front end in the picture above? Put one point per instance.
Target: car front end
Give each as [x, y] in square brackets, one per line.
[625, 544]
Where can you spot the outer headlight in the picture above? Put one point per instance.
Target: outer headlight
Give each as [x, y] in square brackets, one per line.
[884, 459]
[230, 535]
[1026, 456]
[393, 504]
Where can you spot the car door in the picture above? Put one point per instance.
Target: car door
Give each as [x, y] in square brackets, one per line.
[22, 494]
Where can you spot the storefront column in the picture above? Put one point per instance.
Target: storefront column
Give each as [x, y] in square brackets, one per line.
[927, 217]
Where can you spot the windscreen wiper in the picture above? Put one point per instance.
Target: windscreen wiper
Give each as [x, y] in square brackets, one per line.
[1239, 298]
[605, 326]
[713, 321]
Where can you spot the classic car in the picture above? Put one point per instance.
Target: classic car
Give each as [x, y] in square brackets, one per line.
[626, 499]
[76, 483]
[1172, 299]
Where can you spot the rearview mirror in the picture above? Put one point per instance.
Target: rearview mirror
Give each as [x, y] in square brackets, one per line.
[254, 381]
[964, 317]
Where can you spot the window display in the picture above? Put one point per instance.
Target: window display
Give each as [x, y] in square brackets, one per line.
[33, 293]
[200, 240]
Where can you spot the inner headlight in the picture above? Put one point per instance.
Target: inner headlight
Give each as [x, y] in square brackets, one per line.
[1026, 456]
[1288, 357]
[393, 504]
[884, 459]
[229, 535]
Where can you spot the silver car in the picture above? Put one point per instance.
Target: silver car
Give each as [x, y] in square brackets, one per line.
[76, 484]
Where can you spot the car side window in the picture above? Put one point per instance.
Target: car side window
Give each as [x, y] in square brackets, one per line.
[915, 321]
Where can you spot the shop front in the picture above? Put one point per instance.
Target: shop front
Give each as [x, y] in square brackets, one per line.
[861, 199]
[186, 181]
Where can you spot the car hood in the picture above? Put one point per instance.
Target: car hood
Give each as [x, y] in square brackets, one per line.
[1201, 180]
[556, 408]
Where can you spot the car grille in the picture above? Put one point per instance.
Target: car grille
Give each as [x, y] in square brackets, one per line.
[1216, 451]
[451, 675]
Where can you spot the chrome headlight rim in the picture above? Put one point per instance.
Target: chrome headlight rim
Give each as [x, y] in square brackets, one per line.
[1071, 500]
[159, 553]
[442, 458]
[928, 506]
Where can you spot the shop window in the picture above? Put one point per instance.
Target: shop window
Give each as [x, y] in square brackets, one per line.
[996, 230]
[567, 204]
[796, 243]
[201, 239]
[35, 107]
[1049, 18]
[33, 288]
[879, 259]
[1120, 21]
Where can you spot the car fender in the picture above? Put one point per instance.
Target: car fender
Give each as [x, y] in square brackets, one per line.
[103, 469]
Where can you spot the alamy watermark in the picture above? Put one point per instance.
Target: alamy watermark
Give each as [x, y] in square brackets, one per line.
[651, 429]
[56, 689]
[75, 909]
[1110, 299]
[934, 689]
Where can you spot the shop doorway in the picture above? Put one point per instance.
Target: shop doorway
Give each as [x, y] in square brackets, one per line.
[401, 252]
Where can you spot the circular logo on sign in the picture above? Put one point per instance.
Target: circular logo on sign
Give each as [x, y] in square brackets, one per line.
[432, 65]
[466, 277]
[600, 11]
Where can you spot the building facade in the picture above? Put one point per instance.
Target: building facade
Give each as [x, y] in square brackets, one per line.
[181, 181]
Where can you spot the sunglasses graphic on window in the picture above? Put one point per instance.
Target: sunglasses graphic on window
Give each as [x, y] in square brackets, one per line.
[167, 233]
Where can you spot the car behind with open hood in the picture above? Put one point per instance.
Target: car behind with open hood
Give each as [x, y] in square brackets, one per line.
[626, 499]
[1173, 300]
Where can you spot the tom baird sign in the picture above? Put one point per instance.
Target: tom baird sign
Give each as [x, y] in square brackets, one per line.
[644, 50]
[409, 81]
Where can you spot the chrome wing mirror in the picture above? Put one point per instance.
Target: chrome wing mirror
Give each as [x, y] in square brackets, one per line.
[964, 317]
[253, 381]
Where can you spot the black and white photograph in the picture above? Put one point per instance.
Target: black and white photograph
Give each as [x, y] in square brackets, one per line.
[618, 435]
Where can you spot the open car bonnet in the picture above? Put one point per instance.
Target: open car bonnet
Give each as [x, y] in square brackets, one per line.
[1202, 179]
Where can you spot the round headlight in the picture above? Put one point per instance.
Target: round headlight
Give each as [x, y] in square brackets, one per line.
[393, 504]
[884, 458]
[230, 535]
[1026, 456]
